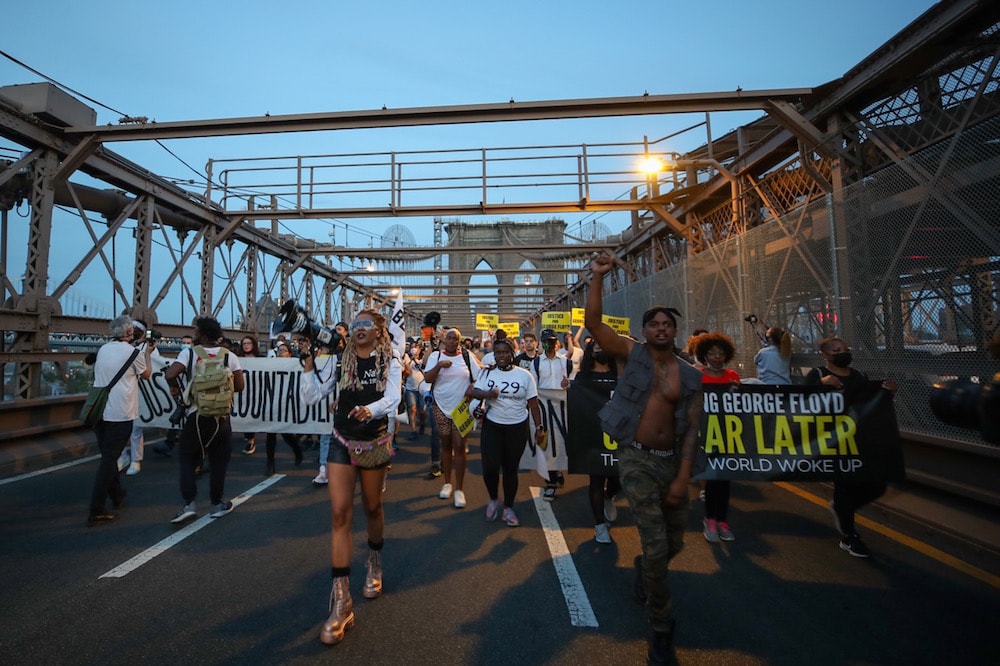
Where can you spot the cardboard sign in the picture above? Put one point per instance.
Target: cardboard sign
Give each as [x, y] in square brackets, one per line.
[487, 322]
[557, 321]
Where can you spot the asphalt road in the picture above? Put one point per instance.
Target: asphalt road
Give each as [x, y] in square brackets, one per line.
[252, 587]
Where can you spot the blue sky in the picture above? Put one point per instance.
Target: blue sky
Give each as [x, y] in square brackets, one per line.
[197, 60]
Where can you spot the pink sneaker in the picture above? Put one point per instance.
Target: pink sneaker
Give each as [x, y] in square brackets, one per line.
[725, 533]
[510, 517]
[492, 510]
[711, 530]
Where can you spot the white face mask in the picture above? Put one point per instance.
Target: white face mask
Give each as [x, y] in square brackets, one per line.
[185, 346]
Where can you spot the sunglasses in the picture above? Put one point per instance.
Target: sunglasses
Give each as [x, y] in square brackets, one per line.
[366, 324]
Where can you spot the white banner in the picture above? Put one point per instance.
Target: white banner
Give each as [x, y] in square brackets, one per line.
[269, 402]
[396, 326]
[553, 407]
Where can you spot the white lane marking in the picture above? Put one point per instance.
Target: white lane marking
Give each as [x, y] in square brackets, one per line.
[47, 470]
[581, 614]
[163, 546]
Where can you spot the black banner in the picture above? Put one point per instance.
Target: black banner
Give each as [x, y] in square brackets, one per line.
[798, 433]
[591, 451]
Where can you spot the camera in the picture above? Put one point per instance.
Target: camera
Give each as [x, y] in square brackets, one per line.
[750, 319]
[966, 404]
[177, 416]
[294, 319]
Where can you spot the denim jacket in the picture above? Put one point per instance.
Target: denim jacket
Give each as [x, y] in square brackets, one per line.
[620, 417]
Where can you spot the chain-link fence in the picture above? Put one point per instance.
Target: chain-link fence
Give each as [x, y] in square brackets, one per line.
[903, 266]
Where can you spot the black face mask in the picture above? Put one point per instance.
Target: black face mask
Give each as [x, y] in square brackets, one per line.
[842, 360]
[602, 357]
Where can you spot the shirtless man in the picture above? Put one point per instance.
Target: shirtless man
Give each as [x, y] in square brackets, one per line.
[654, 416]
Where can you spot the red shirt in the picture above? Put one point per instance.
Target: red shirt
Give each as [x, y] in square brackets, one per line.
[728, 377]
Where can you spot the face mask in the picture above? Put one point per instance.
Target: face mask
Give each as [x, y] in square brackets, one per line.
[185, 346]
[842, 360]
[602, 357]
[547, 345]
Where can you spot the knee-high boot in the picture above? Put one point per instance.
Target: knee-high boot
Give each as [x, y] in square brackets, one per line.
[341, 612]
[373, 575]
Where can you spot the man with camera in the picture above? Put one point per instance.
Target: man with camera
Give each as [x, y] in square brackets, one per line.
[122, 409]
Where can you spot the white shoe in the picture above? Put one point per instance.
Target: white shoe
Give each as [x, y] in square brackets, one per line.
[124, 459]
[321, 479]
[601, 533]
[459, 499]
[133, 469]
[445, 491]
[610, 510]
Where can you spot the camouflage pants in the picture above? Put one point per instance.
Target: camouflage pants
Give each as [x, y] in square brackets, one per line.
[646, 479]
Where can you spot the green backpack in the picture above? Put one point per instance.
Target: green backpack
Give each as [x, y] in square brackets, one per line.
[211, 387]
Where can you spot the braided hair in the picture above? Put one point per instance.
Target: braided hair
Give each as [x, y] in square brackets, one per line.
[349, 378]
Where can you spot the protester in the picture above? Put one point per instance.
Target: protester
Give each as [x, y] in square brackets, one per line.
[291, 439]
[170, 440]
[204, 437]
[848, 496]
[249, 348]
[598, 377]
[774, 360]
[655, 423]
[368, 385]
[121, 410]
[552, 372]
[450, 372]
[714, 351]
[508, 395]
[414, 378]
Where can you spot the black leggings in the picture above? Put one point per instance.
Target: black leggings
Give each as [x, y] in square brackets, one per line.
[717, 500]
[602, 488]
[501, 447]
[849, 496]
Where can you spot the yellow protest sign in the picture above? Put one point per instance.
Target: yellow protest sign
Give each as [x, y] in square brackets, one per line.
[578, 316]
[557, 321]
[463, 418]
[511, 328]
[486, 322]
[619, 325]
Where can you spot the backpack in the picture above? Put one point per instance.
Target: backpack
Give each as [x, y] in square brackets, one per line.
[211, 386]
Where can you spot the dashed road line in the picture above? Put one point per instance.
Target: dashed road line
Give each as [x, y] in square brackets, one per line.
[48, 470]
[166, 544]
[581, 613]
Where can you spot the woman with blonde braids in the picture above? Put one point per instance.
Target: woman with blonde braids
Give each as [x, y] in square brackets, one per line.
[368, 388]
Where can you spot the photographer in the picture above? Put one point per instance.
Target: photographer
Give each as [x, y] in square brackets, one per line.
[131, 458]
[121, 410]
[774, 360]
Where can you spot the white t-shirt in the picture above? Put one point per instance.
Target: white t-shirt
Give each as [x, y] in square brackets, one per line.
[451, 383]
[123, 399]
[231, 360]
[517, 387]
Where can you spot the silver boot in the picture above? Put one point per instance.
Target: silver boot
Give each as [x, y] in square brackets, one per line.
[373, 575]
[341, 612]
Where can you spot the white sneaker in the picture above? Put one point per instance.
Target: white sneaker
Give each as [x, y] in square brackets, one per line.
[459, 499]
[601, 533]
[124, 459]
[133, 469]
[321, 479]
[445, 491]
[610, 510]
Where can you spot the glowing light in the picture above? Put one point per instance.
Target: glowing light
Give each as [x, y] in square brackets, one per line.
[652, 165]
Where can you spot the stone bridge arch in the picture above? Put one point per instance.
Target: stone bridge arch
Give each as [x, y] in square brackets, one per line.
[493, 235]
